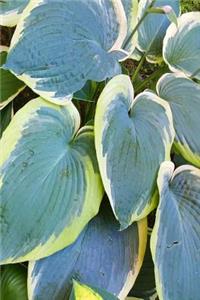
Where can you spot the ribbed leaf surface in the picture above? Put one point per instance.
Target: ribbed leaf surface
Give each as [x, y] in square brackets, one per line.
[175, 239]
[183, 96]
[50, 185]
[132, 138]
[102, 256]
[181, 46]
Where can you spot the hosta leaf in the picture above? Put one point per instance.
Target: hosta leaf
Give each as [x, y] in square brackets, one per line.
[99, 253]
[124, 130]
[83, 292]
[60, 44]
[10, 85]
[5, 117]
[13, 282]
[145, 287]
[131, 9]
[153, 27]
[183, 96]
[181, 46]
[136, 55]
[87, 92]
[50, 186]
[175, 239]
[10, 11]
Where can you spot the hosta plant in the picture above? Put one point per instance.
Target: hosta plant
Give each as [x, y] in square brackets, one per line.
[99, 171]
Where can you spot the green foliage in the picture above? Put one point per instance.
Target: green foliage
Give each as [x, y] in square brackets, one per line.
[116, 109]
[191, 5]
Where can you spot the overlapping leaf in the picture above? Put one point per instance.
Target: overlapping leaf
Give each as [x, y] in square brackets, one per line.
[175, 240]
[181, 46]
[50, 185]
[60, 44]
[132, 138]
[145, 287]
[84, 292]
[131, 9]
[10, 85]
[183, 96]
[153, 28]
[102, 256]
[10, 11]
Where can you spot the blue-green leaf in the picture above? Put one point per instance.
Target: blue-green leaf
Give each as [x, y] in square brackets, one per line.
[181, 46]
[10, 11]
[10, 85]
[50, 185]
[132, 138]
[84, 292]
[102, 256]
[175, 242]
[153, 28]
[13, 283]
[59, 45]
[183, 96]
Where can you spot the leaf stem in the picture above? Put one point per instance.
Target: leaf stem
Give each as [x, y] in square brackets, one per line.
[151, 77]
[138, 24]
[146, 53]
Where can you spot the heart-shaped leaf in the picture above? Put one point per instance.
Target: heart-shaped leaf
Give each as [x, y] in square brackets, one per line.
[10, 85]
[183, 96]
[13, 282]
[175, 239]
[60, 44]
[153, 28]
[50, 185]
[181, 46]
[10, 11]
[132, 138]
[83, 292]
[102, 256]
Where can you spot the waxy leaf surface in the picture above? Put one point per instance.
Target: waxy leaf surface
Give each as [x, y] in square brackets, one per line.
[50, 185]
[183, 96]
[102, 256]
[60, 44]
[132, 138]
[175, 241]
[181, 46]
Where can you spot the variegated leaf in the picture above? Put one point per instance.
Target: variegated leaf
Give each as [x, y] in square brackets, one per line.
[175, 241]
[100, 252]
[181, 46]
[84, 292]
[131, 9]
[153, 28]
[10, 11]
[145, 286]
[132, 138]
[50, 185]
[183, 96]
[60, 44]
